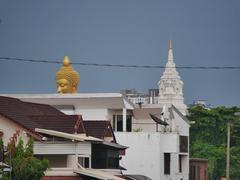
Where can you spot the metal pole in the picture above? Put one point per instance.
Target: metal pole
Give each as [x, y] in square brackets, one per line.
[228, 151]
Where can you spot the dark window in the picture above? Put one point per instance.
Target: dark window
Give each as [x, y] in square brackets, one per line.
[129, 123]
[167, 158]
[83, 161]
[104, 158]
[113, 163]
[118, 123]
[183, 143]
[112, 159]
[113, 123]
[180, 163]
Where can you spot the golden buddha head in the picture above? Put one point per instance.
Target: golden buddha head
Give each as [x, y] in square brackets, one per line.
[67, 78]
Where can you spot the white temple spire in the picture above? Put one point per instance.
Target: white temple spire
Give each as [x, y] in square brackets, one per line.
[171, 85]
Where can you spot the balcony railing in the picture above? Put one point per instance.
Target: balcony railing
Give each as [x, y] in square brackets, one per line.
[143, 100]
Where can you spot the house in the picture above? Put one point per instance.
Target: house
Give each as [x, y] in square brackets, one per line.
[156, 151]
[63, 139]
[161, 150]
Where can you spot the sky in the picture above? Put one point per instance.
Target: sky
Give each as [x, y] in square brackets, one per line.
[129, 32]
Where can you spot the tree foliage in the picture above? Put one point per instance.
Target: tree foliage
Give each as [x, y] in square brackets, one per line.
[1, 150]
[208, 139]
[24, 165]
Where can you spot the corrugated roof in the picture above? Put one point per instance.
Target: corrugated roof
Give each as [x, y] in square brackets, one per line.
[96, 173]
[77, 137]
[114, 145]
[136, 177]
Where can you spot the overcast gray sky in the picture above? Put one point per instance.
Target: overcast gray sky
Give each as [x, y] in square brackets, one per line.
[204, 33]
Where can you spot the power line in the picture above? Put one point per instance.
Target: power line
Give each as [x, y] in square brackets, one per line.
[117, 65]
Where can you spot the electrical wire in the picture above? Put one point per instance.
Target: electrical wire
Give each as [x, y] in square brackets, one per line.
[118, 65]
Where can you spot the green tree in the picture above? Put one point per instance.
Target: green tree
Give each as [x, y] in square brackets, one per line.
[1, 155]
[208, 139]
[1, 149]
[24, 165]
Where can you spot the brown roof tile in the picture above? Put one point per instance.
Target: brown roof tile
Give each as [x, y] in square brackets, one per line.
[63, 123]
[33, 115]
[99, 129]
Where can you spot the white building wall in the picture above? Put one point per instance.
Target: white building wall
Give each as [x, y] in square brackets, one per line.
[93, 114]
[141, 156]
[145, 154]
[62, 148]
[181, 126]
[9, 128]
[72, 161]
[147, 125]
[169, 142]
[72, 150]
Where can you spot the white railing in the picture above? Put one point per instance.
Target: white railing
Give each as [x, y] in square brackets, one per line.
[143, 100]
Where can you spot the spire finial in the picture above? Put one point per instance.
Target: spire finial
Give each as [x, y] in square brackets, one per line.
[66, 61]
[170, 44]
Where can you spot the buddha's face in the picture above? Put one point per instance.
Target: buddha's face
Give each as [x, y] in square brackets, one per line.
[64, 86]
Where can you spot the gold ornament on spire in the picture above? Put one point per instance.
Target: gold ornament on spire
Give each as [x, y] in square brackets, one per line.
[67, 78]
[170, 44]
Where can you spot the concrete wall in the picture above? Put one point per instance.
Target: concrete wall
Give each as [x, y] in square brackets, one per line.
[146, 125]
[62, 148]
[145, 154]
[93, 114]
[139, 158]
[180, 125]
[68, 149]
[8, 128]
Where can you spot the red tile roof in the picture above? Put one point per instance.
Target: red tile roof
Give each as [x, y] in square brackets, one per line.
[99, 129]
[33, 115]
[63, 123]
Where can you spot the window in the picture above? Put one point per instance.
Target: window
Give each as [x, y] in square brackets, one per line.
[104, 158]
[83, 161]
[167, 158]
[112, 159]
[180, 163]
[118, 123]
[183, 143]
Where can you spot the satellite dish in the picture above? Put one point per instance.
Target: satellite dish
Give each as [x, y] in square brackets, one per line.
[158, 120]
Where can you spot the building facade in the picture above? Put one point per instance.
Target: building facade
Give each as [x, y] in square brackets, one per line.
[159, 152]
[74, 149]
